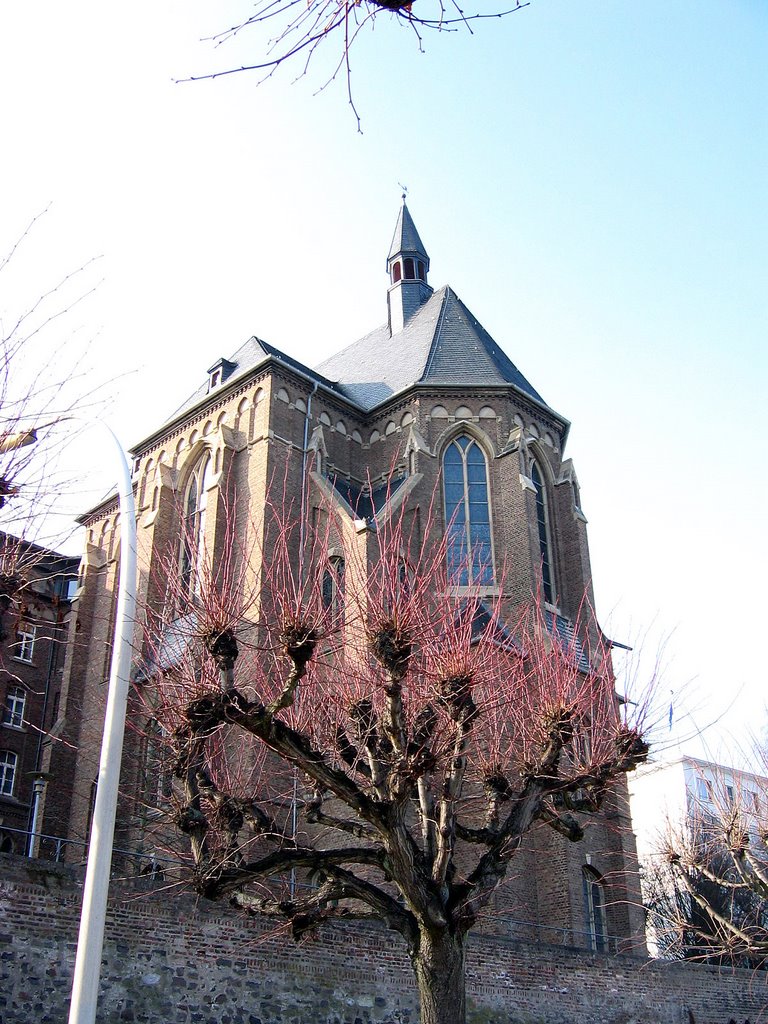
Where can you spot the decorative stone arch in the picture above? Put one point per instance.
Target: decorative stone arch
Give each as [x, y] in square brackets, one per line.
[537, 450]
[242, 418]
[471, 428]
[190, 460]
[258, 408]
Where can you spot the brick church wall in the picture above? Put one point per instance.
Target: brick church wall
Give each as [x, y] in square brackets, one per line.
[168, 960]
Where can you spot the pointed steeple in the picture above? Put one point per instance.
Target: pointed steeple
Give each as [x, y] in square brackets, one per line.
[408, 266]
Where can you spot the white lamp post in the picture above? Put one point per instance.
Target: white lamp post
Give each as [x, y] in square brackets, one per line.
[85, 985]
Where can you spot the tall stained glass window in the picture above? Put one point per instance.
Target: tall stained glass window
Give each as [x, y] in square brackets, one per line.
[467, 513]
[542, 522]
[193, 525]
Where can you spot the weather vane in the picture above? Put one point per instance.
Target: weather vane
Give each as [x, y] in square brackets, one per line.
[404, 188]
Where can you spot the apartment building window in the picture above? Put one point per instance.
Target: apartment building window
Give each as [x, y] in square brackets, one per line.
[703, 789]
[467, 513]
[15, 705]
[8, 763]
[26, 635]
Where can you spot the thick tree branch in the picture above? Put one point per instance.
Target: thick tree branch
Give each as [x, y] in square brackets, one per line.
[280, 861]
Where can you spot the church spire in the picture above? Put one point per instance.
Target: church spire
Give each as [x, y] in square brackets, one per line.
[407, 265]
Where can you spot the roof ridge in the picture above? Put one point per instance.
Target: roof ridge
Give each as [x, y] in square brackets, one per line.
[446, 289]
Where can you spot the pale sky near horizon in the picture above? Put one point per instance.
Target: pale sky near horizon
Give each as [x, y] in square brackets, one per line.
[590, 179]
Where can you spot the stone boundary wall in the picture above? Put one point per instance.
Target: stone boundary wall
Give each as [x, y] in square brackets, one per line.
[170, 960]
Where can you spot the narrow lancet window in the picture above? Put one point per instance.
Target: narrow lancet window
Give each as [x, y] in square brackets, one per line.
[542, 523]
[594, 909]
[193, 526]
[333, 590]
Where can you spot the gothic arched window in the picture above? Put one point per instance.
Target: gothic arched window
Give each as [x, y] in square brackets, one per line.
[193, 525]
[542, 523]
[594, 909]
[333, 589]
[467, 513]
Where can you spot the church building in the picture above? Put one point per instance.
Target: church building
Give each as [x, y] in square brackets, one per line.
[427, 405]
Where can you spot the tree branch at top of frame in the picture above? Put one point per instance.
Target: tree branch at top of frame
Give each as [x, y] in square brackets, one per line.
[295, 32]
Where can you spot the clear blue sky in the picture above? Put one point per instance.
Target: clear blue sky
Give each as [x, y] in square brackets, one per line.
[590, 178]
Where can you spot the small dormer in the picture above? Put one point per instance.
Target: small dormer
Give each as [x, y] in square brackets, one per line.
[408, 266]
[219, 372]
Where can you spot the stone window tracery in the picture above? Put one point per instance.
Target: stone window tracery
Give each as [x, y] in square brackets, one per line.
[193, 507]
[467, 513]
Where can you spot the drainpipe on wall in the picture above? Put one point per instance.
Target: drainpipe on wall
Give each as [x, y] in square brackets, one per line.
[302, 537]
[38, 790]
[304, 455]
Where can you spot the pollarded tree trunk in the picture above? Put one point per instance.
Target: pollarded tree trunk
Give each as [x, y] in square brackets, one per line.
[438, 964]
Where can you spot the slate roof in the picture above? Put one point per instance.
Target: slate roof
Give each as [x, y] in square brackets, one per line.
[364, 502]
[563, 631]
[247, 358]
[443, 343]
[406, 237]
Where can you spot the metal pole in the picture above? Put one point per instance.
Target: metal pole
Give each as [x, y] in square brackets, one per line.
[85, 985]
[38, 788]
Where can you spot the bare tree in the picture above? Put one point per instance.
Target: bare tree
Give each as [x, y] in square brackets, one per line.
[375, 751]
[709, 887]
[41, 386]
[297, 30]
